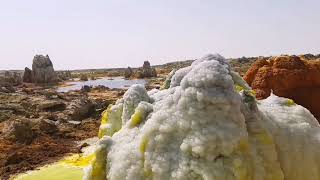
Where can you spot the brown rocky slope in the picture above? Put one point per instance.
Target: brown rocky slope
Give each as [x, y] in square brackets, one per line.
[287, 76]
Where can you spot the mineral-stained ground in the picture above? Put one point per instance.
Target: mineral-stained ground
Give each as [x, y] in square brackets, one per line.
[39, 125]
[287, 76]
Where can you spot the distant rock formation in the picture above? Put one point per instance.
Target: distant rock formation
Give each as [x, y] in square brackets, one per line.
[42, 71]
[310, 56]
[84, 77]
[128, 72]
[146, 71]
[64, 75]
[290, 77]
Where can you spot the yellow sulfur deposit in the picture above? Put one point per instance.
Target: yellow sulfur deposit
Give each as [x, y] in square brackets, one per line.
[57, 171]
[290, 102]
[70, 168]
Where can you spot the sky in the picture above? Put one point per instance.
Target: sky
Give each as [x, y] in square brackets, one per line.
[84, 34]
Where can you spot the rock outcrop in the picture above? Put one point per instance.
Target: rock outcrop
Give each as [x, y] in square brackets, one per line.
[64, 75]
[42, 71]
[146, 71]
[7, 88]
[11, 78]
[84, 77]
[19, 130]
[27, 75]
[290, 77]
[128, 72]
[206, 125]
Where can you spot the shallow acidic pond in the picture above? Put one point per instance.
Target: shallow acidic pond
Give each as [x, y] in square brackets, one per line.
[115, 82]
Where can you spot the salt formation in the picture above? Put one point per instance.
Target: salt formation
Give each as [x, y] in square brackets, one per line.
[207, 125]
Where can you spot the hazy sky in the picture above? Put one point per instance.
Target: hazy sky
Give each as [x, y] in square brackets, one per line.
[118, 33]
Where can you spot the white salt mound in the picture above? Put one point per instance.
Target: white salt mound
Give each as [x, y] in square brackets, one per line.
[207, 125]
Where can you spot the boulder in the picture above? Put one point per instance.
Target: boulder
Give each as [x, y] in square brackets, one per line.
[19, 130]
[86, 88]
[27, 75]
[80, 109]
[48, 126]
[51, 105]
[287, 76]
[7, 88]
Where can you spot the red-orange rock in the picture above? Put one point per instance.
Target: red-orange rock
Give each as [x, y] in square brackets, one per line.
[290, 77]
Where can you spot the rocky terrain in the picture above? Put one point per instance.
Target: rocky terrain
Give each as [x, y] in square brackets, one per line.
[294, 77]
[38, 125]
[37, 121]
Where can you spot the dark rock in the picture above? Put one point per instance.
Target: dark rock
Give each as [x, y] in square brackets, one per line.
[49, 93]
[27, 75]
[14, 158]
[51, 105]
[19, 130]
[128, 72]
[4, 89]
[7, 88]
[42, 71]
[101, 87]
[10, 89]
[147, 70]
[86, 88]
[48, 126]
[81, 109]
[83, 145]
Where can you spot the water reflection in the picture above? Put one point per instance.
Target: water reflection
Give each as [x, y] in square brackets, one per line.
[114, 82]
